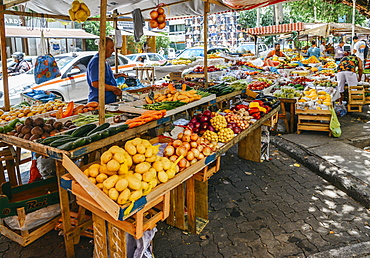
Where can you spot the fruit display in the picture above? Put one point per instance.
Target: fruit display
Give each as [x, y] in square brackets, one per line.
[28, 111]
[319, 97]
[225, 134]
[259, 85]
[211, 68]
[79, 11]
[238, 121]
[38, 128]
[220, 89]
[202, 122]
[325, 83]
[189, 146]
[145, 117]
[239, 84]
[297, 58]
[249, 65]
[311, 60]
[288, 92]
[158, 18]
[218, 122]
[172, 94]
[210, 136]
[126, 174]
[329, 73]
[330, 65]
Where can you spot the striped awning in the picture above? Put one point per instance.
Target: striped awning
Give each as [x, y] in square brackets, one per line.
[277, 29]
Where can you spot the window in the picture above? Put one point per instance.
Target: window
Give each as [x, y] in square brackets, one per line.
[122, 60]
[153, 58]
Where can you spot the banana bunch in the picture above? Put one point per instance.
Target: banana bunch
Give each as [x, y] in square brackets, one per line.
[79, 11]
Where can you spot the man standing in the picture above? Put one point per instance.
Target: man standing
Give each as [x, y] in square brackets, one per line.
[111, 90]
[347, 72]
[359, 48]
[339, 51]
[314, 50]
[323, 48]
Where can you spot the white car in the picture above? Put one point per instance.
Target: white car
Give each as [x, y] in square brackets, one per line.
[147, 58]
[251, 47]
[71, 85]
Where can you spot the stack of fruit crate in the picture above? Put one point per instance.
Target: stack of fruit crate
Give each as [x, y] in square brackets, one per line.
[356, 98]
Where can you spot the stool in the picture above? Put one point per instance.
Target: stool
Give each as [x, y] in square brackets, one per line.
[289, 123]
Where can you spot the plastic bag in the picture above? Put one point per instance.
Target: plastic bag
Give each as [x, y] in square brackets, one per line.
[257, 62]
[334, 124]
[34, 171]
[46, 166]
[340, 109]
[46, 68]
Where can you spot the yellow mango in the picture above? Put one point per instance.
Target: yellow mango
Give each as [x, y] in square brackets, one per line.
[106, 157]
[138, 176]
[92, 179]
[123, 170]
[93, 172]
[149, 152]
[141, 148]
[136, 141]
[75, 6]
[120, 157]
[138, 158]
[113, 194]
[133, 182]
[135, 195]
[158, 165]
[113, 165]
[101, 177]
[130, 148]
[121, 184]
[147, 176]
[142, 167]
[123, 197]
[110, 181]
[162, 177]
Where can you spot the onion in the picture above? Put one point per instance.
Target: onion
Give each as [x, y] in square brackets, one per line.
[201, 156]
[187, 164]
[198, 116]
[169, 151]
[181, 151]
[237, 130]
[193, 144]
[173, 158]
[177, 143]
[193, 120]
[186, 138]
[207, 151]
[187, 132]
[179, 136]
[204, 126]
[193, 161]
[196, 130]
[204, 119]
[195, 152]
[200, 148]
[186, 145]
[194, 137]
[182, 163]
[190, 156]
[207, 113]
[230, 126]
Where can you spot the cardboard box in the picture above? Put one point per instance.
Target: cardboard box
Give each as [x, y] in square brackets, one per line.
[175, 76]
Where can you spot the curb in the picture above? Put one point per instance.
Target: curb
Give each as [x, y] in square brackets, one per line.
[356, 250]
[357, 189]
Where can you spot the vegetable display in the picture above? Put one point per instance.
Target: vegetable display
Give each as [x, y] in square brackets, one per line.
[174, 95]
[165, 105]
[146, 117]
[220, 89]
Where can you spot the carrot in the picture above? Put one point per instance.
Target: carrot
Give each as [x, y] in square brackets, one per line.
[92, 104]
[131, 125]
[183, 87]
[171, 87]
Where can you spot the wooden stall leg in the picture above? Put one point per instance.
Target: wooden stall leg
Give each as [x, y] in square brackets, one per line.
[22, 219]
[190, 204]
[176, 217]
[250, 147]
[10, 168]
[64, 206]
[117, 241]
[80, 220]
[201, 199]
[100, 240]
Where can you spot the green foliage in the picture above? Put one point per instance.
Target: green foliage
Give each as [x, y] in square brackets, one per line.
[93, 27]
[162, 42]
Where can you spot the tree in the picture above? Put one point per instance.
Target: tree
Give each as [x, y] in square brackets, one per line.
[162, 42]
[93, 27]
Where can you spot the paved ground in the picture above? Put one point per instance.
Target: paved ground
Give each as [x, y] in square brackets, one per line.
[271, 209]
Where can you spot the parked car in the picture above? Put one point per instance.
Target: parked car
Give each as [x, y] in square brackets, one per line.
[199, 51]
[263, 50]
[71, 85]
[171, 53]
[147, 58]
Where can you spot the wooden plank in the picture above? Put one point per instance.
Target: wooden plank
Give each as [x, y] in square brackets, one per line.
[100, 237]
[102, 199]
[3, 59]
[250, 147]
[314, 128]
[36, 234]
[102, 53]
[201, 199]
[179, 207]
[117, 241]
[313, 124]
[190, 205]
[171, 218]
[315, 118]
[64, 206]
[310, 111]
[229, 96]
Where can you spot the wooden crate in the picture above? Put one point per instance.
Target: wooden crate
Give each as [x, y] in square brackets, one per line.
[272, 121]
[205, 173]
[175, 76]
[76, 221]
[313, 120]
[356, 95]
[354, 107]
[26, 237]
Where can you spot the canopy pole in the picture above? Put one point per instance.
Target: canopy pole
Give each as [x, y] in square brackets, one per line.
[102, 46]
[3, 57]
[353, 22]
[115, 24]
[205, 39]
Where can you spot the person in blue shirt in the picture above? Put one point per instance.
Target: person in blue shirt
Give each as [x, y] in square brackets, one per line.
[314, 50]
[92, 74]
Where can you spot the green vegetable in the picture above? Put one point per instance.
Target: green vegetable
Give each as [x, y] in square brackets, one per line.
[167, 105]
[80, 142]
[63, 141]
[50, 139]
[99, 128]
[104, 133]
[95, 136]
[1, 129]
[83, 130]
[13, 123]
[88, 139]
[88, 119]
[67, 146]
[113, 130]
[123, 127]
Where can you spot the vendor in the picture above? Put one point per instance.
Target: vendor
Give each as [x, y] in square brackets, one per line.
[276, 52]
[323, 48]
[339, 51]
[111, 90]
[347, 73]
[313, 50]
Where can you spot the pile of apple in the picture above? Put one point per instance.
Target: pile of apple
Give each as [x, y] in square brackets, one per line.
[158, 19]
[200, 69]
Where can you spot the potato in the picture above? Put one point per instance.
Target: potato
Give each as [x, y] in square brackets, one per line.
[121, 184]
[100, 185]
[158, 166]
[101, 177]
[115, 149]
[135, 195]
[151, 159]
[128, 159]
[104, 170]
[92, 179]
[138, 158]
[123, 197]
[154, 182]
[146, 143]
[136, 141]
[149, 152]
[144, 186]
[131, 149]
[140, 149]
[119, 157]
[110, 181]
[142, 167]
[155, 149]
[123, 169]
[138, 176]
[162, 177]
[171, 173]
[86, 172]
[106, 157]
[133, 182]
[113, 194]
[166, 163]
[105, 190]
[93, 171]
[153, 171]
[148, 176]
[113, 166]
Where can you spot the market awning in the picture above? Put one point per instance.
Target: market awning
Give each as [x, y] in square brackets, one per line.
[335, 29]
[277, 29]
[26, 32]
